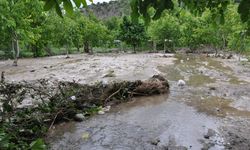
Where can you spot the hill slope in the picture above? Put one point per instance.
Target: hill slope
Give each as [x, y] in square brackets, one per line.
[107, 10]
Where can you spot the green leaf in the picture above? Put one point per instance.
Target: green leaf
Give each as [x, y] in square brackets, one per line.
[78, 3]
[244, 10]
[84, 3]
[38, 145]
[68, 6]
[58, 10]
[49, 4]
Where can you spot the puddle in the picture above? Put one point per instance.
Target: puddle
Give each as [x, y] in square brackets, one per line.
[199, 80]
[136, 124]
[171, 73]
[217, 106]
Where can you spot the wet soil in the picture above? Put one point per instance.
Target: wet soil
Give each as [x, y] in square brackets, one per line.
[212, 111]
[86, 68]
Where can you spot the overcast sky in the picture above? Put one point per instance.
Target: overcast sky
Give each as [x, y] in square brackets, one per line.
[96, 1]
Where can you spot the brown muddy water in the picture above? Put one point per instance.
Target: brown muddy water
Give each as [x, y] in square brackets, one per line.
[211, 112]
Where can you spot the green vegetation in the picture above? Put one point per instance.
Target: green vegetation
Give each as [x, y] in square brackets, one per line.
[217, 8]
[132, 33]
[188, 30]
[28, 31]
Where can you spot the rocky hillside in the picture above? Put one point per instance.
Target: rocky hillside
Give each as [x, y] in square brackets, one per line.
[106, 10]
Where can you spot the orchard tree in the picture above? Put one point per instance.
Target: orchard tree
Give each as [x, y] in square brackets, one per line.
[93, 33]
[165, 28]
[18, 22]
[132, 33]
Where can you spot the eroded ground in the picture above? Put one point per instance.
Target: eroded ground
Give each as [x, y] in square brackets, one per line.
[211, 112]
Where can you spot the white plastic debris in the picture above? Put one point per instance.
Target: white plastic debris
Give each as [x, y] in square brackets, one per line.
[181, 83]
[243, 59]
[73, 98]
[100, 112]
[106, 109]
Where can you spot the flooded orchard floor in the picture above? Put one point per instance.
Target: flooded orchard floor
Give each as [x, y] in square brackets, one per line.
[211, 112]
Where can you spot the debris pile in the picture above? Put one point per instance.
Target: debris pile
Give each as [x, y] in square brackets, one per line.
[54, 102]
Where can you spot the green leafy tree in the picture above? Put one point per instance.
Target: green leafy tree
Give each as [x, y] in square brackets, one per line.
[113, 25]
[18, 22]
[167, 28]
[93, 34]
[218, 8]
[132, 33]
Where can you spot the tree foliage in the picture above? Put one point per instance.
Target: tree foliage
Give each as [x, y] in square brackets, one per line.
[217, 8]
[188, 30]
[26, 27]
[132, 33]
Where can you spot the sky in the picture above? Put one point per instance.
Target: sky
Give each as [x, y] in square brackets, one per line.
[96, 1]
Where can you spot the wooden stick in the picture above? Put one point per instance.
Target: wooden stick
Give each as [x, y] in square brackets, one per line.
[54, 119]
[113, 94]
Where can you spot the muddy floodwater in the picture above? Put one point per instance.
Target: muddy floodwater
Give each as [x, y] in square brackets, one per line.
[212, 111]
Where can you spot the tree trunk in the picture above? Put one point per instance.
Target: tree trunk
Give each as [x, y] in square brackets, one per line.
[48, 50]
[16, 50]
[86, 47]
[216, 51]
[154, 46]
[78, 48]
[67, 51]
[224, 42]
[165, 47]
[35, 51]
[134, 46]
[91, 49]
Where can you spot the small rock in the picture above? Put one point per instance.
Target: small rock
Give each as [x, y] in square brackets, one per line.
[206, 136]
[100, 112]
[217, 109]
[182, 61]
[79, 117]
[181, 83]
[211, 132]
[230, 56]
[109, 74]
[212, 88]
[207, 146]
[187, 59]
[155, 142]
[32, 70]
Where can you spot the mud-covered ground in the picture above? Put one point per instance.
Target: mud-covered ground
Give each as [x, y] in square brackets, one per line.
[211, 112]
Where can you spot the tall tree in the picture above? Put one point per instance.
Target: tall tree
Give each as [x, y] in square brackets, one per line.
[17, 21]
[218, 8]
[132, 33]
